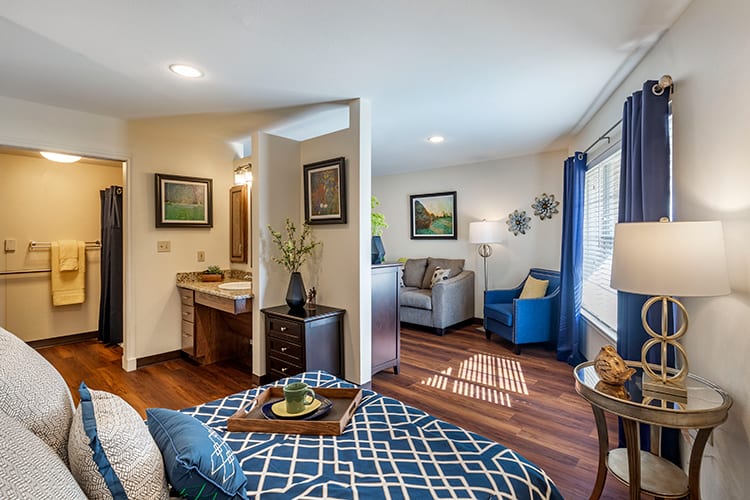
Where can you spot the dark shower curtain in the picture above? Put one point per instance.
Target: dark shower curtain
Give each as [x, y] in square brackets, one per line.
[110, 301]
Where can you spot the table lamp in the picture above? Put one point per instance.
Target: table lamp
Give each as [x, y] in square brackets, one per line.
[668, 259]
[484, 233]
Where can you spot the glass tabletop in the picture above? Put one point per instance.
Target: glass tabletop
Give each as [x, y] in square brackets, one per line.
[702, 395]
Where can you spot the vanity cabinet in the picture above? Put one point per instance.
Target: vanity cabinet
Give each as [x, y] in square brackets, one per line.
[238, 217]
[188, 322]
[386, 321]
[303, 340]
[216, 328]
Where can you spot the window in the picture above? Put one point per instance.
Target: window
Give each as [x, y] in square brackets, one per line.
[599, 219]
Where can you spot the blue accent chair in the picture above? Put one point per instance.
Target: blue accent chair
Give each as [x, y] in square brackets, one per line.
[523, 321]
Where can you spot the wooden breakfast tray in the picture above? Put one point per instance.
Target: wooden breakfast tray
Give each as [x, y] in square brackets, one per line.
[345, 402]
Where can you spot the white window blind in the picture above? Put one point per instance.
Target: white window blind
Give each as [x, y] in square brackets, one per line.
[599, 219]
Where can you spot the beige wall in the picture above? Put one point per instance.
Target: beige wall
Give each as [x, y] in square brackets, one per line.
[488, 190]
[707, 53]
[180, 147]
[46, 201]
[342, 271]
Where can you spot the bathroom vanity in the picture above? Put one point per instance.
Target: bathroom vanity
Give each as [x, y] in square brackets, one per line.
[216, 319]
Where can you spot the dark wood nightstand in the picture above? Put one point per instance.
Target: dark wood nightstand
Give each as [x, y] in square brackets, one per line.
[303, 340]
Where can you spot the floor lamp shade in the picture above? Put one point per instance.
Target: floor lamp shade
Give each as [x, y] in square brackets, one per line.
[485, 232]
[668, 260]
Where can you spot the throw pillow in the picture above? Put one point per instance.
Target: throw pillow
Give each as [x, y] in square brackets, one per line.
[34, 393]
[112, 454]
[534, 288]
[454, 265]
[414, 272]
[31, 469]
[198, 463]
[439, 275]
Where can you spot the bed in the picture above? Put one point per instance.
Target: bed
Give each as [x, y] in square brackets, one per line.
[50, 449]
[388, 450]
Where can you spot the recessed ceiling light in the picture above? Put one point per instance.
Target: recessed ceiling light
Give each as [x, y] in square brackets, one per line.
[436, 139]
[59, 157]
[185, 70]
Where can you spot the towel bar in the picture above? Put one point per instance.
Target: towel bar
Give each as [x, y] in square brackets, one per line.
[44, 245]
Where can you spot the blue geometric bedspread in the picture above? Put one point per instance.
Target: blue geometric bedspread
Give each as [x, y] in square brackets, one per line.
[388, 450]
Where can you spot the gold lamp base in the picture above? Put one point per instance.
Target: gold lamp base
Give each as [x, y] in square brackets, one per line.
[669, 391]
[668, 384]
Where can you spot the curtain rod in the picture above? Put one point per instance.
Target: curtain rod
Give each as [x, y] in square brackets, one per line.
[665, 82]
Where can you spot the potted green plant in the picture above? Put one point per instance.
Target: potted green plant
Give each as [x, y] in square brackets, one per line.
[378, 223]
[212, 273]
[293, 252]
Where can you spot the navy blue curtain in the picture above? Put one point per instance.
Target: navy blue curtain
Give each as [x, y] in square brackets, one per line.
[110, 300]
[644, 197]
[571, 261]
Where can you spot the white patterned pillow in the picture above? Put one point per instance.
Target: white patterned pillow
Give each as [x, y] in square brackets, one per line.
[34, 393]
[439, 275]
[31, 469]
[112, 454]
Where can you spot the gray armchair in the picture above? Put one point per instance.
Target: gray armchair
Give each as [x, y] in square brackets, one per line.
[448, 302]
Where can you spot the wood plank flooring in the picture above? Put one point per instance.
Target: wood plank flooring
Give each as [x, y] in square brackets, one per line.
[525, 402]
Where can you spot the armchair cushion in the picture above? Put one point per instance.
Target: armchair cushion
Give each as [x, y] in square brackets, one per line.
[534, 288]
[454, 265]
[414, 272]
[500, 312]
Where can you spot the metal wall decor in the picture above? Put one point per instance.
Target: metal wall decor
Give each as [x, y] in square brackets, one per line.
[518, 222]
[545, 206]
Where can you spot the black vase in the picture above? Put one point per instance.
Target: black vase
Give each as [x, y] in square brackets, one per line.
[295, 293]
[377, 250]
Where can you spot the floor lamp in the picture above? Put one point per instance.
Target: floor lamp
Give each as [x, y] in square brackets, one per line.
[484, 233]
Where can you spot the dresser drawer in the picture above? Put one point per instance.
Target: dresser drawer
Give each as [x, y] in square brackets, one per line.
[188, 313]
[281, 348]
[284, 329]
[283, 368]
[186, 297]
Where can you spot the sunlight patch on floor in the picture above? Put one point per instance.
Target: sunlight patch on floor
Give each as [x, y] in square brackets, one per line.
[487, 377]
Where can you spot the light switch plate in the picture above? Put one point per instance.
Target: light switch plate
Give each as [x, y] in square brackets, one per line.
[201, 255]
[10, 245]
[163, 246]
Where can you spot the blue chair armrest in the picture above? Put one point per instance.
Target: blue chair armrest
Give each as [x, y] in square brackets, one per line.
[502, 296]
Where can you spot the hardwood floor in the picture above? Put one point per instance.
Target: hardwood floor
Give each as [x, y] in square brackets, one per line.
[525, 402]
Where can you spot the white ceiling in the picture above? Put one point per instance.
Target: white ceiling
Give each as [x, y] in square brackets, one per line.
[497, 78]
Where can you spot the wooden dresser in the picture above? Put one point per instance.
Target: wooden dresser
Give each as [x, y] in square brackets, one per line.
[386, 324]
[303, 340]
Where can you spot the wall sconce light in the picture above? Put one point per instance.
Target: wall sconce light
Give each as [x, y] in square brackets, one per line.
[243, 174]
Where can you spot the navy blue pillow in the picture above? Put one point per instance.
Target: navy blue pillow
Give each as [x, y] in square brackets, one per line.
[198, 463]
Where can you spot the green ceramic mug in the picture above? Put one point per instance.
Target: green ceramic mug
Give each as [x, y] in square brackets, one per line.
[298, 395]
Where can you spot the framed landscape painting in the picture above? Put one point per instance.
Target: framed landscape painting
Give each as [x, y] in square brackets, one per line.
[325, 192]
[183, 201]
[433, 216]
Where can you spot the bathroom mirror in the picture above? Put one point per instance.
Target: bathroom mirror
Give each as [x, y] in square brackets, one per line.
[238, 217]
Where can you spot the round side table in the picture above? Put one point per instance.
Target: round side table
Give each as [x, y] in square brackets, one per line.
[707, 406]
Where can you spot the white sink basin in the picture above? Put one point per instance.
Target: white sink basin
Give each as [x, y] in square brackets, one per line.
[237, 285]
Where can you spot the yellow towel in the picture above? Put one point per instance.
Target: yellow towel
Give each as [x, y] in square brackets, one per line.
[68, 287]
[68, 255]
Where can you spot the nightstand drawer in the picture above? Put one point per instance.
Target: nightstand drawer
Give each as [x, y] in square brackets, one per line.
[283, 368]
[285, 329]
[280, 347]
[188, 313]
[186, 297]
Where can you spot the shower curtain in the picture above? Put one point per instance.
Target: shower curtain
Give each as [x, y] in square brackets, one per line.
[110, 301]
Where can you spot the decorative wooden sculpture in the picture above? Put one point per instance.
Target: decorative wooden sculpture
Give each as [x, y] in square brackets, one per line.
[611, 368]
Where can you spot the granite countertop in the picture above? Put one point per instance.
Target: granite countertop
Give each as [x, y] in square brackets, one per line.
[191, 281]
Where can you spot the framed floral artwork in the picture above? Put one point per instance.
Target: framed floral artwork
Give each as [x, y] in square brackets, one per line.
[325, 192]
